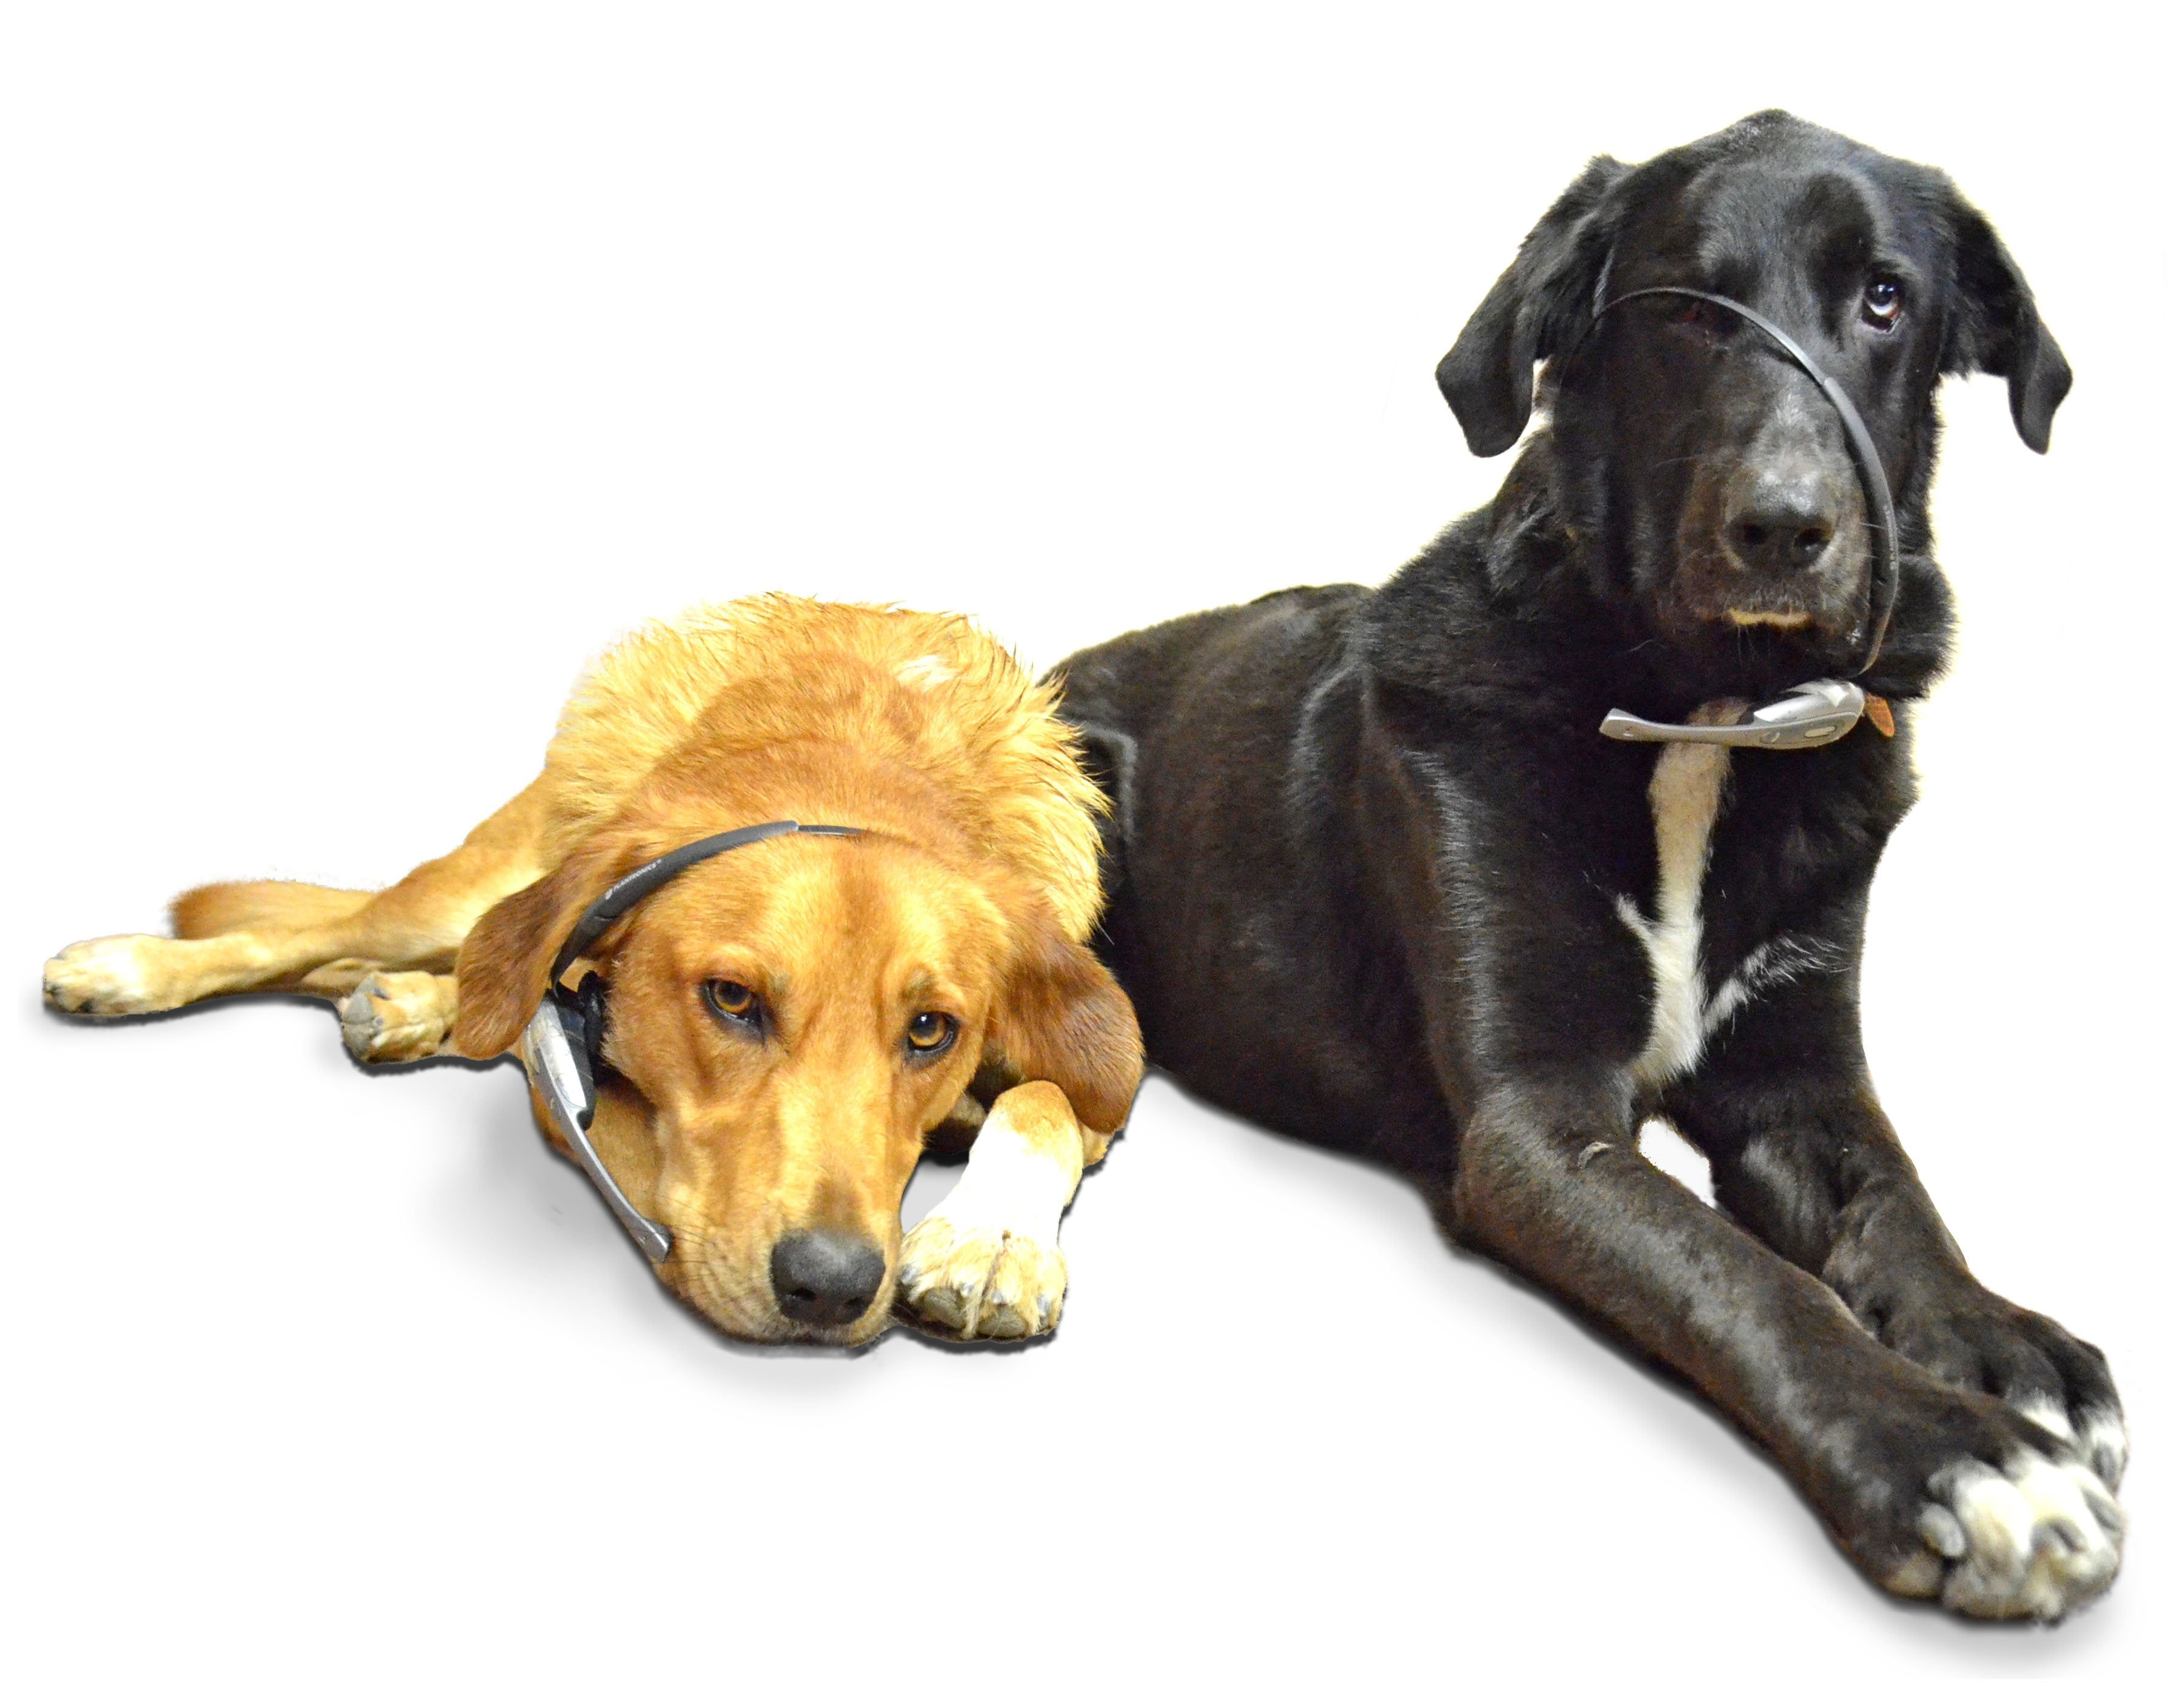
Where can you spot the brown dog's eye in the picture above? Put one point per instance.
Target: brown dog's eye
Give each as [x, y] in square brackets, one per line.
[733, 1001]
[929, 1033]
[1882, 302]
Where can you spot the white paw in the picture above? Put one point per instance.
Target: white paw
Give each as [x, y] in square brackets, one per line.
[982, 1283]
[394, 1017]
[2096, 1436]
[109, 976]
[2103, 1444]
[2033, 1540]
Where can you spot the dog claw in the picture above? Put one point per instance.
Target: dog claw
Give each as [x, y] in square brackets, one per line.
[395, 1017]
[2030, 1539]
[982, 1283]
[1939, 1527]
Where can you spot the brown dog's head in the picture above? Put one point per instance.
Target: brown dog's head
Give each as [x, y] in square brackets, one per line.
[787, 1022]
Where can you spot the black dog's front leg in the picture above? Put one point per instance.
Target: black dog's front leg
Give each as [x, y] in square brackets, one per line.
[1801, 1153]
[1934, 1490]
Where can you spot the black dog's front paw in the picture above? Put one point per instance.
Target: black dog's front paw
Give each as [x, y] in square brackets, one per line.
[1981, 1342]
[1953, 1497]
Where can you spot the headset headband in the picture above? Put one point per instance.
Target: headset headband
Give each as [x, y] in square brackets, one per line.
[1882, 526]
[636, 886]
[557, 1047]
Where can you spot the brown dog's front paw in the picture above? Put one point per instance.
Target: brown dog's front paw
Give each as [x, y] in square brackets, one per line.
[110, 976]
[981, 1283]
[397, 1016]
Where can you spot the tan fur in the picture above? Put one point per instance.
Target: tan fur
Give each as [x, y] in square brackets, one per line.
[930, 693]
[970, 896]
[216, 909]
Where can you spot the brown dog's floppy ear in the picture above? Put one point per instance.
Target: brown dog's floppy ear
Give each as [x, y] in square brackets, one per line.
[1998, 330]
[1533, 312]
[504, 963]
[1062, 1017]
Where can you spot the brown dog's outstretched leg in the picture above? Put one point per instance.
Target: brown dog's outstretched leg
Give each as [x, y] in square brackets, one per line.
[301, 937]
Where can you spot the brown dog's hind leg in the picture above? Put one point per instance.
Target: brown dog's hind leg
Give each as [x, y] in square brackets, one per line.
[272, 904]
[273, 936]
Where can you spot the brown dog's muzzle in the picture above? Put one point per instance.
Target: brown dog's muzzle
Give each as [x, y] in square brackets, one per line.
[825, 1278]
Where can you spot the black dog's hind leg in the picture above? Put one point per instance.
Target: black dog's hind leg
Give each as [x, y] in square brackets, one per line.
[1802, 1154]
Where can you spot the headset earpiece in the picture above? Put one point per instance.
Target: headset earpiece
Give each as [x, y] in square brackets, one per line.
[585, 1012]
[562, 1045]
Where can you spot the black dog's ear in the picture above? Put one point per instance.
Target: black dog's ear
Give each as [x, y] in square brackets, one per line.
[1997, 329]
[1489, 375]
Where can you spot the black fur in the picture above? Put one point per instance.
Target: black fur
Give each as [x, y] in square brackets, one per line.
[1368, 845]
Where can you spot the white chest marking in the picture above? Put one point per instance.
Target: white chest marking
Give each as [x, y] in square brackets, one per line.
[1685, 797]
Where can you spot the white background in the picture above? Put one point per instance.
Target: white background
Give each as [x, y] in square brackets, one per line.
[364, 372]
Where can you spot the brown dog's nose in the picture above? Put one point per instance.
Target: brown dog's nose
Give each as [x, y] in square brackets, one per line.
[1781, 521]
[825, 1278]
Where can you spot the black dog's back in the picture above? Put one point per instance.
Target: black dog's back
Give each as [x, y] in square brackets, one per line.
[1238, 919]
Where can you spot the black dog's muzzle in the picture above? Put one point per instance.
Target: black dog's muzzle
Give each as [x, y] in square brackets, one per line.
[1814, 713]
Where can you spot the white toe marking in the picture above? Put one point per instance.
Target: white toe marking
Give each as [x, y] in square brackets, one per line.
[2039, 1537]
[1943, 1531]
[2103, 1444]
[2048, 1413]
[2098, 1437]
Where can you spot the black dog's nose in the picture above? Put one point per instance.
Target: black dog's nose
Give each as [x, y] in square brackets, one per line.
[1782, 523]
[825, 1278]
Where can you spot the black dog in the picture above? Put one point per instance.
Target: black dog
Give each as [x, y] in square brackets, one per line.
[1379, 881]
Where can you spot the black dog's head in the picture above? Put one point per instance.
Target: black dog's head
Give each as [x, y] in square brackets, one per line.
[1703, 475]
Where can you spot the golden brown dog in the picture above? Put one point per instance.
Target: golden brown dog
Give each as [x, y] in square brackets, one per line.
[787, 1022]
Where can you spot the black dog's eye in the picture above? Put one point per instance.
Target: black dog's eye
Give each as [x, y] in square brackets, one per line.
[1882, 302]
[732, 1001]
[929, 1033]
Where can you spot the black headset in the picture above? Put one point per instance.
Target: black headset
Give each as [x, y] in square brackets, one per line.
[1814, 713]
[1881, 532]
[562, 1045]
